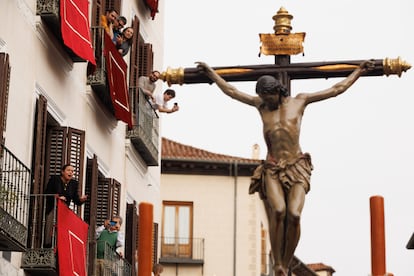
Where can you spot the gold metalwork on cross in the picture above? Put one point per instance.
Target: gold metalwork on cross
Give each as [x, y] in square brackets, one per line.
[282, 44]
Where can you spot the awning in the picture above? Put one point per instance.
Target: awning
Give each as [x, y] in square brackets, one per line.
[74, 18]
[116, 70]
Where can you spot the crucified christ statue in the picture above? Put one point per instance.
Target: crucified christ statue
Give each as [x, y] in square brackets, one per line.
[284, 178]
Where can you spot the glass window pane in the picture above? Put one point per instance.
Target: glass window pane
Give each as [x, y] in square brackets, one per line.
[184, 224]
[169, 224]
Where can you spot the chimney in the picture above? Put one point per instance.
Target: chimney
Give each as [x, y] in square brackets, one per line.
[256, 151]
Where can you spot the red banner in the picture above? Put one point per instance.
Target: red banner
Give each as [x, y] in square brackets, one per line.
[116, 69]
[75, 28]
[153, 6]
[72, 237]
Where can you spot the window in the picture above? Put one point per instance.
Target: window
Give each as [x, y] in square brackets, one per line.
[103, 202]
[53, 146]
[140, 64]
[177, 229]
[107, 196]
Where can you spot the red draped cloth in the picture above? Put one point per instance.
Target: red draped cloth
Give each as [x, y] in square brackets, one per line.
[116, 70]
[72, 238]
[75, 28]
[153, 6]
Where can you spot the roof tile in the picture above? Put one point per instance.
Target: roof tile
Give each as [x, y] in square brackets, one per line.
[177, 151]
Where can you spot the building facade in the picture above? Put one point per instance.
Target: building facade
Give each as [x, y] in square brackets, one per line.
[67, 98]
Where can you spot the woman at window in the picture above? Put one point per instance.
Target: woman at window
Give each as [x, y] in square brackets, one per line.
[124, 40]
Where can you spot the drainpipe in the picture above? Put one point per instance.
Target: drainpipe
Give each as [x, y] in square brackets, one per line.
[236, 169]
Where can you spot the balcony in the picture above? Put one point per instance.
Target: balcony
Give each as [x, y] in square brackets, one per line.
[40, 257]
[182, 251]
[144, 134]
[97, 80]
[15, 180]
[111, 263]
[49, 11]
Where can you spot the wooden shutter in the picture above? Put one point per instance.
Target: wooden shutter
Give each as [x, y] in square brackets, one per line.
[91, 189]
[154, 240]
[38, 172]
[131, 236]
[56, 150]
[109, 197]
[38, 166]
[155, 243]
[97, 11]
[113, 4]
[75, 152]
[134, 58]
[115, 197]
[65, 146]
[146, 57]
[4, 91]
[102, 211]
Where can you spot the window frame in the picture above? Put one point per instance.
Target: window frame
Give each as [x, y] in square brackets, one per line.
[176, 246]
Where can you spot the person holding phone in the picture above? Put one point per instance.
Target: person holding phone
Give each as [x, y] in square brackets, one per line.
[161, 102]
[108, 234]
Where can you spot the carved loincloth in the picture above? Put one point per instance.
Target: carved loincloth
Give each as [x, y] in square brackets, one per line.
[288, 174]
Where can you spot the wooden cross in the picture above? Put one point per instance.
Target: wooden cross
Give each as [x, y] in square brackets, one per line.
[282, 44]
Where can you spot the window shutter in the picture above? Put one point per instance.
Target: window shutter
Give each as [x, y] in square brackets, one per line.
[97, 11]
[55, 154]
[102, 206]
[38, 170]
[134, 58]
[137, 235]
[75, 152]
[91, 189]
[155, 243]
[115, 201]
[146, 59]
[113, 4]
[38, 166]
[65, 145]
[4, 91]
[108, 199]
[131, 236]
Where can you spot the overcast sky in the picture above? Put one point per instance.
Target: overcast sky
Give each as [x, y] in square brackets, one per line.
[361, 142]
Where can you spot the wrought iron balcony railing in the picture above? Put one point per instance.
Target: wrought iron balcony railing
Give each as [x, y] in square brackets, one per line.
[110, 262]
[15, 180]
[97, 79]
[40, 256]
[145, 132]
[182, 250]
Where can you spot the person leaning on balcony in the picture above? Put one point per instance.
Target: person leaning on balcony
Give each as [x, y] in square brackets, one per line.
[107, 21]
[161, 102]
[157, 269]
[65, 188]
[147, 84]
[117, 26]
[108, 233]
[124, 41]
